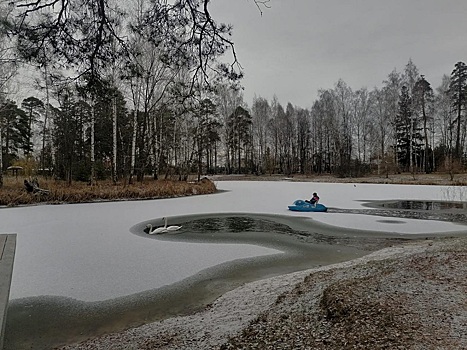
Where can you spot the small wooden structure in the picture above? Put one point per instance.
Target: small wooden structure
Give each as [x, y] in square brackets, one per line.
[15, 169]
[7, 255]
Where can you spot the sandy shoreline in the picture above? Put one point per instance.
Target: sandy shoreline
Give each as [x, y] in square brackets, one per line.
[255, 305]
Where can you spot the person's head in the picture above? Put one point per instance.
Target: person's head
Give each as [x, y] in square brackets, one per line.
[315, 194]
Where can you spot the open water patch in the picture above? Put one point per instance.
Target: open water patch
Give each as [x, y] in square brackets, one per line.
[290, 234]
[391, 221]
[424, 205]
[449, 211]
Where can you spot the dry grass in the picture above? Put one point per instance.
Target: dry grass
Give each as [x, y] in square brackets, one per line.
[439, 178]
[13, 192]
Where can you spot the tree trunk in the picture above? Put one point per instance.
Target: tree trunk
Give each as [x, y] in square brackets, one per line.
[411, 167]
[1, 156]
[239, 155]
[426, 137]
[114, 151]
[46, 117]
[458, 136]
[44, 132]
[133, 145]
[93, 144]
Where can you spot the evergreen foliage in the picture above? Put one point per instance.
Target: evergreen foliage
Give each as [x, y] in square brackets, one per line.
[458, 93]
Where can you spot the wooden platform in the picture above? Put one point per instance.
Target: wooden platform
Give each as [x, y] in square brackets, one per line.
[7, 255]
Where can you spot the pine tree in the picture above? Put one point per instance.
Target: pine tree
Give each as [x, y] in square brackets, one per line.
[403, 129]
[33, 108]
[13, 125]
[458, 93]
[423, 103]
[239, 133]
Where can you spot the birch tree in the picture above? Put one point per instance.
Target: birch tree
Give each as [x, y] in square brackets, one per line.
[227, 99]
[381, 117]
[343, 99]
[410, 76]
[260, 114]
[303, 140]
[444, 120]
[361, 108]
[150, 74]
[392, 87]
[325, 132]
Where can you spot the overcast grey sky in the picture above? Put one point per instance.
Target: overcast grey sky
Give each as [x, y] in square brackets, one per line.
[299, 46]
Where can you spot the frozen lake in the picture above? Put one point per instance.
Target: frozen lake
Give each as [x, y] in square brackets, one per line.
[86, 251]
[84, 256]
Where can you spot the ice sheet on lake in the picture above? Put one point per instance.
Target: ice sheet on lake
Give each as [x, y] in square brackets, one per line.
[85, 251]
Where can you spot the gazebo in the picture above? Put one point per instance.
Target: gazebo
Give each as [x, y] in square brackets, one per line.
[15, 169]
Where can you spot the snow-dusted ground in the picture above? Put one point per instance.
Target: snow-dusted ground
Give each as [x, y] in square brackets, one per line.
[86, 252]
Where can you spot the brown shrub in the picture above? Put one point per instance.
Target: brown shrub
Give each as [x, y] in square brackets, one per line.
[13, 192]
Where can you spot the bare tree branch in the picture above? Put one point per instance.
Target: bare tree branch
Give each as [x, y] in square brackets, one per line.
[262, 3]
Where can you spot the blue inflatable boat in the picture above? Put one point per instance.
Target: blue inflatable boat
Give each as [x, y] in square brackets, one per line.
[300, 205]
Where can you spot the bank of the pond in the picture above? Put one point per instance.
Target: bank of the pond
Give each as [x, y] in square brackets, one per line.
[411, 296]
[13, 192]
[46, 322]
[304, 244]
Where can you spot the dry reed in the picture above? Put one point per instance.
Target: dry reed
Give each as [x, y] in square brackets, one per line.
[13, 192]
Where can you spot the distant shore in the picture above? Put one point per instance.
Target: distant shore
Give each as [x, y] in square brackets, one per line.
[441, 179]
[13, 192]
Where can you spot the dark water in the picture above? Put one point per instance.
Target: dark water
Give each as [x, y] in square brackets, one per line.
[236, 224]
[413, 209]
[424, 205]
[293, 235]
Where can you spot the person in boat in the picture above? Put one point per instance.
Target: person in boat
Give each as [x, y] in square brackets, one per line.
[314, 200]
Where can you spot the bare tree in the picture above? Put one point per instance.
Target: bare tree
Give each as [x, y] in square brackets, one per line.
[391, 87]
[303, 140]
[228, 98]
[444, 118]
[325, 131]
[343, 97]
[81, 32]
[381, 117]
[261, 113]
[361, 108]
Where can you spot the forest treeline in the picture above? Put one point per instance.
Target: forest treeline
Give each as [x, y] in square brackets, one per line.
[146, 94]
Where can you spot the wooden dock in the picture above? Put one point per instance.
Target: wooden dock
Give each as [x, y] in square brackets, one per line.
[7, 255]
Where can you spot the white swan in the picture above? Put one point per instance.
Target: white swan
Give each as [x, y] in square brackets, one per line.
[162, 229]
[156, 230]
[171, 228]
